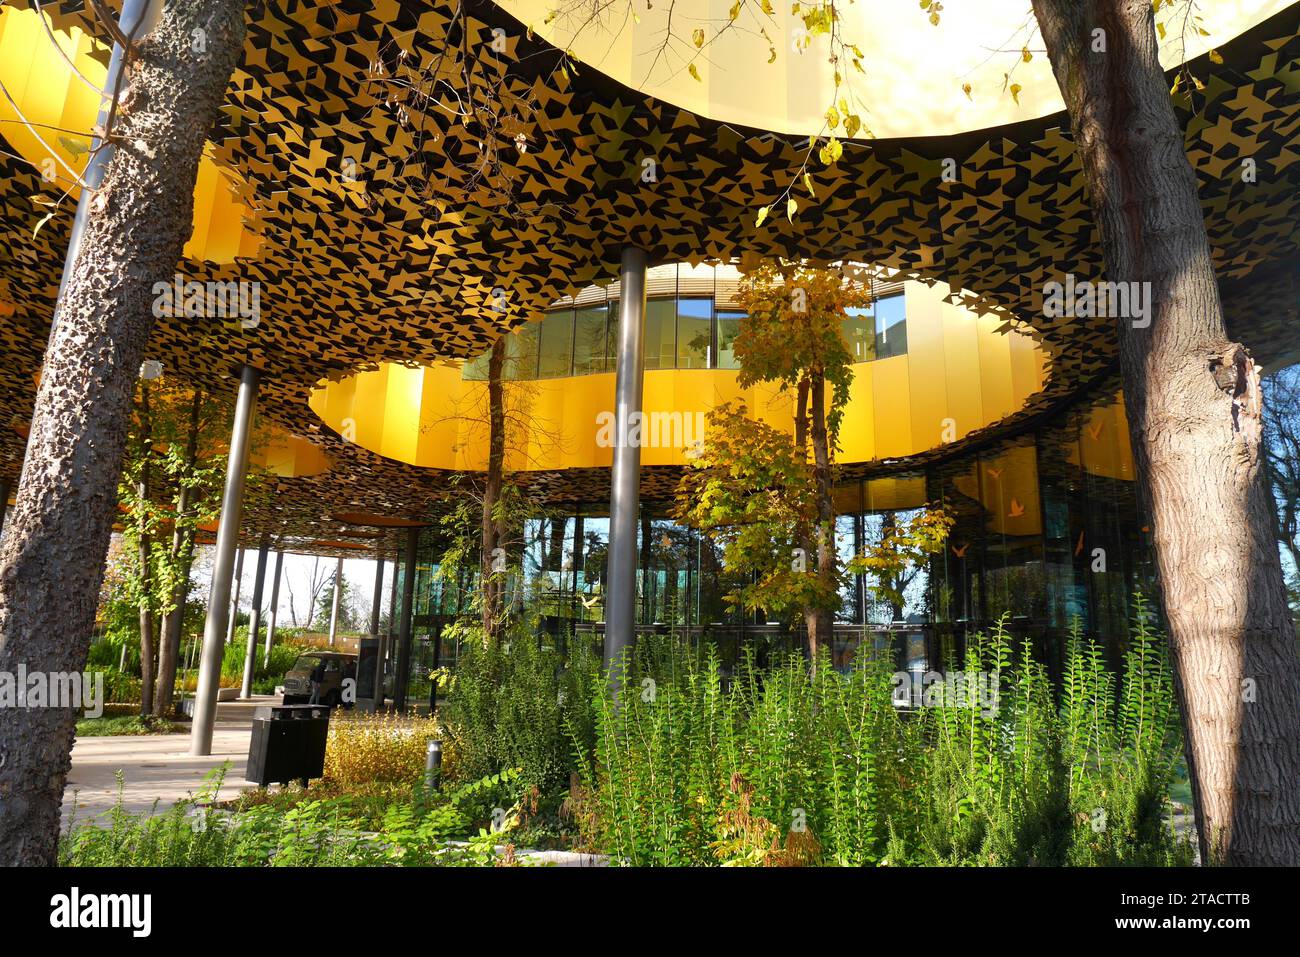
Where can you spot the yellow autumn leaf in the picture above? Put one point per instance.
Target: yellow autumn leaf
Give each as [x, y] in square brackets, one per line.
[852, 124]
[762, 215]
[735, 10]
[1015, 92]
[965, 88]
[791, 207]
[807, 181]
[698, 37]
[1025, 54]
[832, 118]
[1216, 56]
[694, 72]
[771, 54]
[768, 9]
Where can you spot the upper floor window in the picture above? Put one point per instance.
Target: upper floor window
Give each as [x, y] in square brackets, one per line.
[687, 331]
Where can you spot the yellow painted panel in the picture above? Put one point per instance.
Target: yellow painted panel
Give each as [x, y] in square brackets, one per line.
[858, 431]
[995, 370]
[892, 401]
[961, 370]
[925, 362]
[958, 367]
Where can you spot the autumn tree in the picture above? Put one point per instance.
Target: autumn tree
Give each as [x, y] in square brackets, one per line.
[792, 338]
[171, 481]
[54, 548]
[1193, 401]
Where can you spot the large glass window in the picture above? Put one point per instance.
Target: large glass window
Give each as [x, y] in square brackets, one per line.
[589, 350]
[694, 333]
[891, 327]
[556, 351]
[521, 356]
[728, 328]
[660, 333]
[859, 331]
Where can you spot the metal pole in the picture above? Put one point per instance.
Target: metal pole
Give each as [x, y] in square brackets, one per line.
[234, 601]
[255, 621]
[275, 608]
[138, 18]
[378, 596]
[403, 677]
[334, 605]
[223, 566]
[625, 492]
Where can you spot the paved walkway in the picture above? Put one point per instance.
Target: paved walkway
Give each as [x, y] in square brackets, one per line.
[159, 767]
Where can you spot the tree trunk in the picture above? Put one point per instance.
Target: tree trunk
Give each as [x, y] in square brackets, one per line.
[145, 556]
[1193, 404]
[493, 584]
[52, 559]
[182, 556]
[821, 619]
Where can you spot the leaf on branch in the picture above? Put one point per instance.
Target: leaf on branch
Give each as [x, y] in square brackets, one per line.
[697, 37]
[791, 207]
[762, 215]
[694, 72]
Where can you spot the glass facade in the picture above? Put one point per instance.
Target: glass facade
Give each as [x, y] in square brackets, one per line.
[1046, 530]
[692, 320]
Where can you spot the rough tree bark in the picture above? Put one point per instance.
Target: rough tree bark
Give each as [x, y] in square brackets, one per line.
[52, 559]
[182, 557]
[145, 557]
[1193, 404]
[494, 527]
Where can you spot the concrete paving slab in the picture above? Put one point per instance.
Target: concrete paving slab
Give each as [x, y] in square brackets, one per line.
[159, 767]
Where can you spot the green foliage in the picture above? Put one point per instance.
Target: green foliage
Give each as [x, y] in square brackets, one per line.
[789, 765]
[128, 725]
[517, 704]
[752, 492]
[312, 832]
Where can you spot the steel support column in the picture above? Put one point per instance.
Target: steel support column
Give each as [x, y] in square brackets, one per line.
[378, 598]
[334, 604]
[402, 679]
[234, 599]
[223, 565]
[275, 607]
[625, 490]
[255, 619]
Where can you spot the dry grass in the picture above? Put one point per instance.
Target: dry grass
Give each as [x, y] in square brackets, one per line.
[369, 748]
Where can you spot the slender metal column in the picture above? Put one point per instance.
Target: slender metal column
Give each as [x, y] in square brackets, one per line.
[255, 620]
[138, 18]
[275, 608]
[378, 597]
[223, 565]
[234, 601]
[334, 604]
[403, 677]
[625, 491]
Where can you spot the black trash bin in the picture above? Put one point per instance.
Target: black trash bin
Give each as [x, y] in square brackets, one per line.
[288, 743]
